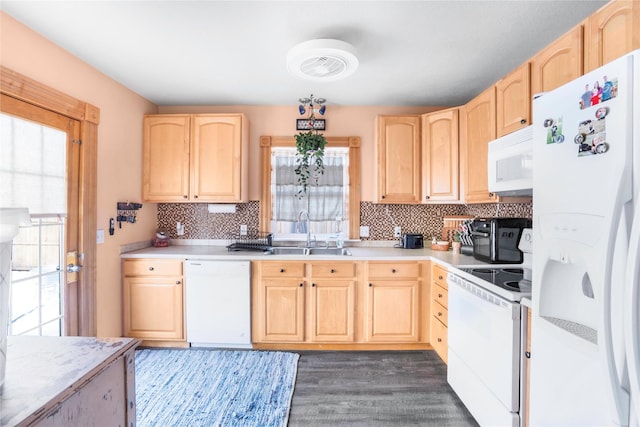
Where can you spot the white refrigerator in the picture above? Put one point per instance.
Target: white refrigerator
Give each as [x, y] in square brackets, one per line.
[585, 354]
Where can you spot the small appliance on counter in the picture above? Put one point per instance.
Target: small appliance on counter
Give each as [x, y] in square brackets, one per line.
[495, 240]
[412, 241]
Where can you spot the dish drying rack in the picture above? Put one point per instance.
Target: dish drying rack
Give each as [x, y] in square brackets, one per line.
[259, 242]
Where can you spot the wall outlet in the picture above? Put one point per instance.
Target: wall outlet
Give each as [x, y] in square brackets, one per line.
[100, 236]
[243, 229]
[364, 231]
[397, 231]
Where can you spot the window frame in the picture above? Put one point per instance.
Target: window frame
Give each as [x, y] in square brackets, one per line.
[352, 142]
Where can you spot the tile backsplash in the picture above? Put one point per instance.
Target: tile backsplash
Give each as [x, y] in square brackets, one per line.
[381, 219]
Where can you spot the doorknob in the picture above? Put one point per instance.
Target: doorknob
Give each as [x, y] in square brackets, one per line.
[73, 268]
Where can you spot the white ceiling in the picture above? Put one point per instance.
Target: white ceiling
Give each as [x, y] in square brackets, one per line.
[234, 52]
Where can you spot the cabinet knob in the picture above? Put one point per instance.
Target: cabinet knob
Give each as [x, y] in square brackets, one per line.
[370, 284]
[177, 282]
[439, 295]
[523, 121]
[491, 194]
[150, 268]
[440, 277]
[185, 197]
[439, 314]
[393, 270]
[313, 285]
[439, 339]
[195, 197]
[382, 197]
[427, 197]
[332, 270]
[282, 270]
[301, 285]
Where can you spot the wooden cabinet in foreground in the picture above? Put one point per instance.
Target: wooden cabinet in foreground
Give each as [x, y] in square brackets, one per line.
[439, 310]
[392, 301]
[398, 145]
[195, 158]
[477, 129]
[513, 101]
[153, 297]
[440, 156]
[611, 32]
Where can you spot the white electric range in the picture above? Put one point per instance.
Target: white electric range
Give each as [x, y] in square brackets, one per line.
[485, 337]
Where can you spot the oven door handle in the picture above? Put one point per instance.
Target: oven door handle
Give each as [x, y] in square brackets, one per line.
[479, 233]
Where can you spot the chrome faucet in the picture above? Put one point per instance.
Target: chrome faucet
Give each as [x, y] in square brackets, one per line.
[305, 214]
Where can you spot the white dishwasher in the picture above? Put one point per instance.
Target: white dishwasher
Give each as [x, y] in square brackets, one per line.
[218, 303]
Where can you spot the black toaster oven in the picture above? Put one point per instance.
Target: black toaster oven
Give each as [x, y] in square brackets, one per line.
[495, 240]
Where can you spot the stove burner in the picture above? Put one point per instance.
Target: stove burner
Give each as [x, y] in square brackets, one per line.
[484, 270]
[512, 284]
[512, 270]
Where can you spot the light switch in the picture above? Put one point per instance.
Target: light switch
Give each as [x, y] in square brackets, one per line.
[100, 236]
[364, 231]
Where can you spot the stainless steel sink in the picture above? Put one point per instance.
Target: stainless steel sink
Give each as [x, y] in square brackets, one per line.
[330, 251]
[288, 250]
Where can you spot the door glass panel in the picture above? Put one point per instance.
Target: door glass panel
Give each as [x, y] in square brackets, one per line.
[33, 172]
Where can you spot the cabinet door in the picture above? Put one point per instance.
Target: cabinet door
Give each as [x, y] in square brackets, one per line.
[392, 311]
[558, 63]
[281, 311]
[478, 124]
[513, 101]
[440, 156]
[153, 308]
[399, 159]
[439, 338]
[331, 310]
[217, 152]
[611, 32]
[165, 162]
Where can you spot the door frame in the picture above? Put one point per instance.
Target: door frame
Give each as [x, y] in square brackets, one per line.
[28, 90]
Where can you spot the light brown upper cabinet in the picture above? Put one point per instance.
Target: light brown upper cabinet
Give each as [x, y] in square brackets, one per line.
[195, 158]
[440, 144]
[558, 63]
[398, 147]
[477, 129]
[611, 32]
[513, 101]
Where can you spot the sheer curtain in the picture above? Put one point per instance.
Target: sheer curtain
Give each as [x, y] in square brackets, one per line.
[327, 199]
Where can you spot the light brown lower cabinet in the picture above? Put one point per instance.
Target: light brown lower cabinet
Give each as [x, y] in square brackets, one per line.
[330, 303]
[439, 310]
[153, 297]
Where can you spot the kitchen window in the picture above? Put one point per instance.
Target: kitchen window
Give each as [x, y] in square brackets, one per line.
[334, 205]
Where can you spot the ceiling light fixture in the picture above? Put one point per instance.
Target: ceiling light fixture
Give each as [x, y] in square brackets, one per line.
[322, 60]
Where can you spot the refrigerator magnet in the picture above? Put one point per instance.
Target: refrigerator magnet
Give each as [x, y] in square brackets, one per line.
[554, 131]
[592, 137]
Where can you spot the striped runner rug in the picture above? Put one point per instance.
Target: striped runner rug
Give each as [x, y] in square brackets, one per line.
[199, 387]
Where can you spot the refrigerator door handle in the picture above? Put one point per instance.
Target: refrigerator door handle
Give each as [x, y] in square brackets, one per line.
[617, 396]
[632, 311]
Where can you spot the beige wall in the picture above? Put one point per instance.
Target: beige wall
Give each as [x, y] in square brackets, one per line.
[119, 149]
[281, 120]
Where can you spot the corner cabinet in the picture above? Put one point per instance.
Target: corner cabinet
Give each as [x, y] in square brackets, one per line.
[398, 145]
[513, 101]
[440, 157]
[195, 158]
[477, 129]
[611, 32]
[153, 297]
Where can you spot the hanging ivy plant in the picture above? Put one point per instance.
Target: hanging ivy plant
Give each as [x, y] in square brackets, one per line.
[309, 158]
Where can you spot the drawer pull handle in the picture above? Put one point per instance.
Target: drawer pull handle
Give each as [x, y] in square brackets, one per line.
[440, 277]
[439, 314]
[150, 268]
[332, 270]
[439, 295]
[282, 270]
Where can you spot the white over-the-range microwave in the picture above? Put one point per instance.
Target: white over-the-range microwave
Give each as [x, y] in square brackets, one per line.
[511, 164]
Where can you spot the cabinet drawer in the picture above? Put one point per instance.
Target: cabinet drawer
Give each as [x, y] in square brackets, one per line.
[440, 313]
[282, 269]
[392, 270]
[439, 274]
[440, 294]
[439, 339]
[152, 267]
[333, 269]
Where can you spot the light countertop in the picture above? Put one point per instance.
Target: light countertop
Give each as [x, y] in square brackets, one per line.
[358, 253]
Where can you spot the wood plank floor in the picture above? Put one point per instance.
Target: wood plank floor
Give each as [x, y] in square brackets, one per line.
[375, 388]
